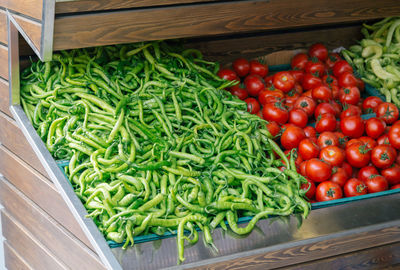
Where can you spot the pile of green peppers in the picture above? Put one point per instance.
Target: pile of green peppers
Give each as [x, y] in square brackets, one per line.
[155, 144]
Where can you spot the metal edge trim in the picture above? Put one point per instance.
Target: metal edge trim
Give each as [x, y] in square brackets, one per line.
[13, 61]
[64, 187]
[46, 42]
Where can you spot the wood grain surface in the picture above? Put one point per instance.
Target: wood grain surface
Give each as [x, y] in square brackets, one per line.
[64, 245]
[14, 140]
[31, 28]
[13, 260]
[33, 252]
[93, 5]
[4, 97]
[31, 8]
[40, 190]
[311, 252]
[3, 27]
[4, 62]
[211, 19]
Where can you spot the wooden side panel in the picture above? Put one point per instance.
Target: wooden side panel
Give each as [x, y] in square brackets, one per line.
[12, 138]
[40, 190]
[31, 28]
[12, 259]
[3, 27]
[211, 19]
[31, 8]
[34, 253]
[63, 244]
[4, 62]
[4, 97]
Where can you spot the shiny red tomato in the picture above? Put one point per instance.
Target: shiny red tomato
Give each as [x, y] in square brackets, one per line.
[360, 85]
[310, 131]
[310, 186]
[349, 95]
[383, 156]
[376, 183]
[306, 104]
[310, 81]
[241, 93]
[368, 141]
[273, 128]
[284, 81]
[347, 167]
[241, 66]
[347, 79]
[298, 117]
[268, 80]
[323, 108]
[275, 112]
[355, 187]
[299, 61]
[327, 191]
[392, 174]
[321, 93]
[228, 74]
[254, 85]
[317, 170]
[298, 75]
[357, 155]
[252, 105]
[352, 126]
[370, 104]
[327, 138]
[353, 141]
[308, 149]
[291, 137]
[365, 172]
[257, 68]
[267, 96]
[325, 122]
[303, 168]
[375, 127]
[395, 186]
[340, 67]
[335, 92]
[388, 112]
[333, 155]
[394, 136]
[349, 110]
[315, 67]
[319, 51]
[332, 59]
[339, 176]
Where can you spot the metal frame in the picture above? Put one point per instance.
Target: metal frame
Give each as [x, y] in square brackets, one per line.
[46, 42]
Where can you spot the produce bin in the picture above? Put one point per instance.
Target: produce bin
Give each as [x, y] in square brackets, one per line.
[357, 227]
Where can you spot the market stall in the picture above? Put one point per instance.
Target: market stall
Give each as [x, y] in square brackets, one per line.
[44, 220]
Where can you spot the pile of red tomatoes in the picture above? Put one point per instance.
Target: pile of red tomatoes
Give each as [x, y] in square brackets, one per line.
[314, 110]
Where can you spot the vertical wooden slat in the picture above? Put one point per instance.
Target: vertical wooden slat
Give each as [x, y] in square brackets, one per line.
[3, 27]
[4, 97]
[3, 62]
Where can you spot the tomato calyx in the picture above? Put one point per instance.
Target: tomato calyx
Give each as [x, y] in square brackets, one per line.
[360, 188]
[314, 59]
[388, 113]
[346, 91]
[279, 105]
[291, 93]
[373, 176]
[363, 149]
[384, 156]
[330, 193]
[316, 73]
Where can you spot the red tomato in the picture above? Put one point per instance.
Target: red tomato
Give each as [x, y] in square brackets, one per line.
[310, 131]
[333, 155]
[383, 156]
[347, 167]
[327, 191]
[273, 128]
[299, 61]
[376, 183]
[347, 79]
[339, 176]
[298, 117]
[323, 108]
[325, 122]
[266, 96]
[360, 84]
[298, 75]
[228, 74]
[332, 59]
[306, 104]
[355, 187]
[308, 149]
[342, 139]
[256, 68]
[268, 80]
[297, 88]
[395, 186]
[388, 112]
[254, 85]
[352, 126]
[307, 93]
[357, 155]
[369, 142]
[375, 127]
[291, 137]
[392, 174]
[335, 91]
[303, 168]
[384, 139]
[337, 107]
[394, 136]
[317, 170]
[370, 104]
[252, 105]
[327, 138]
[329, 80]
[315, 67]
[284, 81]
[340, 67]
[353, 141]
[310, 81]
[275, 112]
[349, 110]
[319, 51]
[241, 66]
[321, 93]
[349, 95]
[365, 172]
[311, 189]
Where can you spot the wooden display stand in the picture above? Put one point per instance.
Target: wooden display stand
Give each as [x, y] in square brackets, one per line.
[40, 230]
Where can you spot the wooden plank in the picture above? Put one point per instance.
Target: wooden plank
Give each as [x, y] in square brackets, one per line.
[3, 27]
[40, 190]
[4, 62]
[4, 97]
[31, 8]
[382, 257]
[310, 252]
[211, 19]
[13, 138]
[66, 247]
[31, 28]
[13, 260]
[94, 5]
[34, 253]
